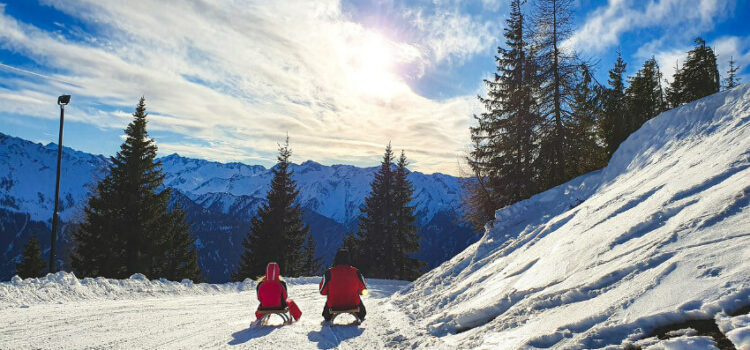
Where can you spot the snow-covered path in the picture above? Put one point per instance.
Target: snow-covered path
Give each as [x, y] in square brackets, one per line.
[199, 321]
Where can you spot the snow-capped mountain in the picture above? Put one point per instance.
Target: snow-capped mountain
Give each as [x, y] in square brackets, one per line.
[220, 199]
[660, 236]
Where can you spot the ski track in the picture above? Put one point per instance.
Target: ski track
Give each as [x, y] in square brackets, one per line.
[202, 321]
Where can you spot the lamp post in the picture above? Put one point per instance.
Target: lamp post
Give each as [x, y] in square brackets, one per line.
[62, 101]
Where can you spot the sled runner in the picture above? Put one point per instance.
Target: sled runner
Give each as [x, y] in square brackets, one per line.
[336, 312]
[266, 314]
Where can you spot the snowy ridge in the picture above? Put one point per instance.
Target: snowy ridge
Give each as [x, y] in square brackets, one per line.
[660, 235]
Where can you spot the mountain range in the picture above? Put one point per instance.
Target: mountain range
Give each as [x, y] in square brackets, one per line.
[219, 198]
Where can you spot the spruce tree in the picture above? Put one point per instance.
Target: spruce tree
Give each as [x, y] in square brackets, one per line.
[587, 153]
[731, 80]
[505, 140]
[406, 240]
[375, 226]
[698, 77]
[614, 116]
[311, 265]
[128, 227]
[277, 231]
[644, 96]
[32, 264]
[387, 233]
[557, 73]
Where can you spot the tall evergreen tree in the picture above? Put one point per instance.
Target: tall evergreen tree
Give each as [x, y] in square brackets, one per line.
[644, 96]
[128, 227]
[505, 136]
[558, 70]
[698, 77]
[31, 264]
[375, 227]
[406, 240]
[277, 232]
[732, 79]
[387, 234]
[614, 116]
[587, 152]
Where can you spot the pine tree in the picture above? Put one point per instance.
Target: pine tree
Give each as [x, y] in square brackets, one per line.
[375, 226]
[587, 153]
[387, 234]
[731, 80]
[613, 122]
[558, 70]
[179, 257]
[698, 77]
[128, 228]
[311, 265]
[406, 240]
[32, 264]
[277, 231]
[644, 96]
[505, 140]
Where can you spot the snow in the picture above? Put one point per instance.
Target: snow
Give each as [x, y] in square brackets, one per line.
[62, 312]
[684, 343]
[736, 328]
[658, 236]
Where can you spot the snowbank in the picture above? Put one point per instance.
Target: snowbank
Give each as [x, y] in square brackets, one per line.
[660, 235]
[65, 286]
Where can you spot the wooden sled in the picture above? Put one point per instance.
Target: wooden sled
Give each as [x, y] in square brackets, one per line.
[336, 312]
[267, 313]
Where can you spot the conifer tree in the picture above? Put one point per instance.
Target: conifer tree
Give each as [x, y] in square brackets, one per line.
[587, 153]
[698, 77]
[557, 73]
[644, 96]
[505, 140]
[406, 240]
[179, 258]
[613, 122]
[128, 227]
[311, 265]
[375, 226]
[731, 80]
[31, 264]
[277, 231]
[386, 234]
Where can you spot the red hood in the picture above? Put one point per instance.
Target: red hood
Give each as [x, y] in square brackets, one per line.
[272, 271]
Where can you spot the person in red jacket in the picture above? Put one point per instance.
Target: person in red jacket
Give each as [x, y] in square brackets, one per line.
[272, 292]
[343, 284]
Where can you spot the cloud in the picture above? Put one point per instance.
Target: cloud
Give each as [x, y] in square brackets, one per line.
[233, 78]
[604, 26]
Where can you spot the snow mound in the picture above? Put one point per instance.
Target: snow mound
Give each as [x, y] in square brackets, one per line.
[65, 287]
[660, 235]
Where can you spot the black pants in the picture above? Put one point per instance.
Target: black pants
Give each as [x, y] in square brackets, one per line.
[360, 315]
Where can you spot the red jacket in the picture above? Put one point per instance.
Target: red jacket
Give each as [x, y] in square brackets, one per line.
[272, 290]
[342, 284]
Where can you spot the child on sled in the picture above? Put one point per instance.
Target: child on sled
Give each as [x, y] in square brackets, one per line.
[272, 293]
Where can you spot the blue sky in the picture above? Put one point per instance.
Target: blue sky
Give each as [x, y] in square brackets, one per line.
[227, 80]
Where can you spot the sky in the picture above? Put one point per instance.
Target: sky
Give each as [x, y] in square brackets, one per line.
[228, 80]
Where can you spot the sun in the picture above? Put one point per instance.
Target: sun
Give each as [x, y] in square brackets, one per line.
[373, 61]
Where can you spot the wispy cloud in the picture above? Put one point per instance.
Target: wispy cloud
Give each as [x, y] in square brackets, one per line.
[236, 77]
[604, 27]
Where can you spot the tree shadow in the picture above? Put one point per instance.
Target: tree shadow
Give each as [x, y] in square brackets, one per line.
[330, 337]
[251, 332]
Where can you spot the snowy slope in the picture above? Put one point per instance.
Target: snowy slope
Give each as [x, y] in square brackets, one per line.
[662, 234]
[63, 312]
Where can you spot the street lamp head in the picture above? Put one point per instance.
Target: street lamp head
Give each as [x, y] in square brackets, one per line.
[63, 100]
